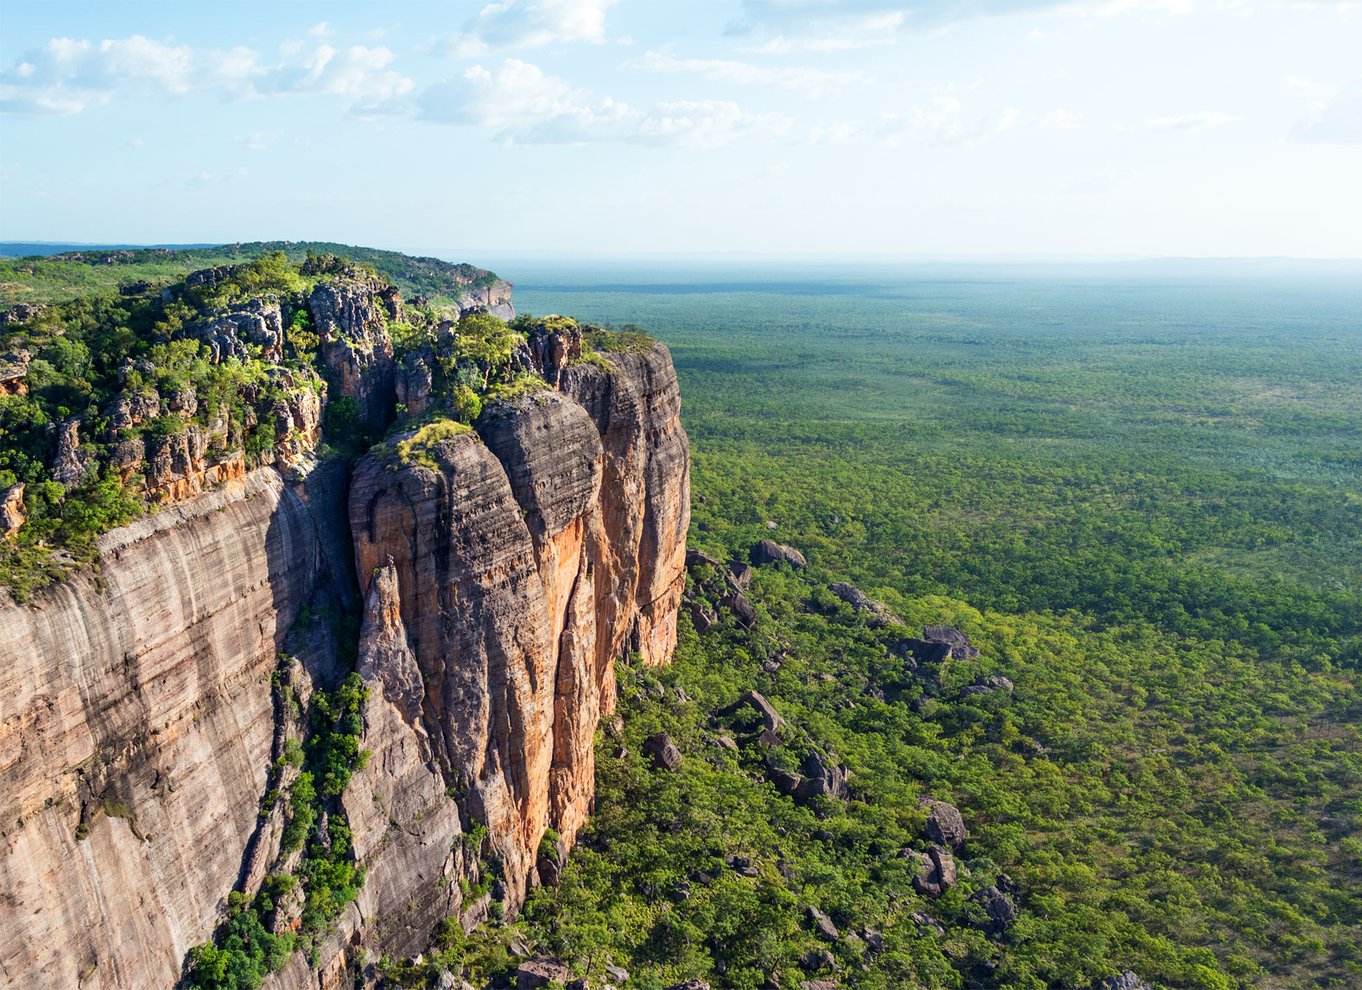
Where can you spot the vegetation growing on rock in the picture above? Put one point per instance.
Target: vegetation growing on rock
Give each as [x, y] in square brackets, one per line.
[116, 403]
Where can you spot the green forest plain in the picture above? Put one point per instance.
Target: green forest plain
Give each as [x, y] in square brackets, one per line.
[1141, 497]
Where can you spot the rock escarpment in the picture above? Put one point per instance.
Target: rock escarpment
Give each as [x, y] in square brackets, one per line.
[500, 573]
[529, 555]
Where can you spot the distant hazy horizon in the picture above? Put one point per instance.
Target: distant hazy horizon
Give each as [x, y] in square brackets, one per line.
[999, 128]
[1249, 264]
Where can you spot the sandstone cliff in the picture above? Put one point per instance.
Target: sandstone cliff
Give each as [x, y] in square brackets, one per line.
[500, 575]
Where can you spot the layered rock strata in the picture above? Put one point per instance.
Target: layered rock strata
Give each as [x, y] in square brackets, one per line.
[138, 727]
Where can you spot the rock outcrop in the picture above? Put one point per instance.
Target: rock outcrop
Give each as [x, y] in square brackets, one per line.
[501, 575]
[11, 509]
[14, 372]
[879, 614]
[771, 552]
[355, 345]
[529, 556]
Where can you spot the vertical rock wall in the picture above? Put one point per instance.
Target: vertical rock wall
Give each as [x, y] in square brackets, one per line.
[137, 725]
[529, 556]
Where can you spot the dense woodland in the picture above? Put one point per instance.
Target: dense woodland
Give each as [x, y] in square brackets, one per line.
[1144, 508]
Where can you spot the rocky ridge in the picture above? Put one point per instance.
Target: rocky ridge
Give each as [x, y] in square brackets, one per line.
[500, 575]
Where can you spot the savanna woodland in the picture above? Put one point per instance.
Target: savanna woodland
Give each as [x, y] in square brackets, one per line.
[1078, 561]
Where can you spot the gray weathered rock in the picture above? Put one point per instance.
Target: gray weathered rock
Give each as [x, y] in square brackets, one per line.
[754, 700]
[823, 776]
[535, 973]
[945, 824]
[662, 751]
[349, 315]
[822, 924]
[938, 872]
[12, 509]
[257, 324]
[879, 613]
[71, 465]
[1122, 981]
[1000, 909]
[770, 552]
[13, 372]
[987, 685]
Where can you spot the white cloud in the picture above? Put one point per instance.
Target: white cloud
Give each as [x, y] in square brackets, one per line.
[516, 93]
[1198, 120]
[530, 24]
[358, 73]
[527, 106]
[945, 120]
[260, 140]
[67, 76]
[810, 82]
[1337, 120]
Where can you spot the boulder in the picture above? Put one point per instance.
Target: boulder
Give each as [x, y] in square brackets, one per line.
[743, 612]
[878, 613]
[823, 776]
[945, 824]
[1122, 981]
[740, 574]
[770, 718]
[71, 464]
[702, 617]
[987, 685]
[698, 558]
[662, 751]
[822, 924]
[11, 509]
[1000, 909]
[954, 638]
[816, 959]
[770, 552]
[938, 872]
[13, 371]
[689, 985]
[540, 972]
[786, 782]
[819, 985]
[617, 974]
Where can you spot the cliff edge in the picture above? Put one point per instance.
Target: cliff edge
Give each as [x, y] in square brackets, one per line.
[444, 613]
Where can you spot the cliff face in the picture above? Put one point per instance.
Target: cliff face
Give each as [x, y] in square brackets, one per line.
[135, 711]
[528, 556]
[500, 575]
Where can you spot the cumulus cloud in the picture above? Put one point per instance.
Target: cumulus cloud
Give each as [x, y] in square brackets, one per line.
[810, 82]
[530, 24]
[1198, 120]
[528, 106]
[944, 119]
[1337, 121]
[795, 17]
[67, 76]
[513, 94]
[358, 74]
[835, 25]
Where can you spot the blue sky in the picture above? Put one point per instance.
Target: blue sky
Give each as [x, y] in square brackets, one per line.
[627, 128]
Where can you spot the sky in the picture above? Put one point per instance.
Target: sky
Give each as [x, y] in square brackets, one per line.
[638, 128]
